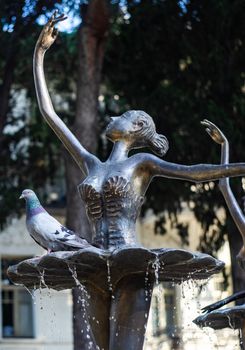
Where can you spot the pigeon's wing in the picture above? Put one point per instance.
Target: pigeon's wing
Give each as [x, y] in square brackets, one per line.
[54, 232]
[42, 228]
[39, 241]
[44, 225]
[70, 238]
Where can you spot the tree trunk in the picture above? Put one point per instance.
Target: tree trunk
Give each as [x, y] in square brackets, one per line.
[91, 42]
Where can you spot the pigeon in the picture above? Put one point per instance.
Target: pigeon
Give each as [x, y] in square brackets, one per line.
[46, 230]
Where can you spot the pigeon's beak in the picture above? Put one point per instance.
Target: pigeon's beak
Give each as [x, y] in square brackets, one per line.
[21, 197]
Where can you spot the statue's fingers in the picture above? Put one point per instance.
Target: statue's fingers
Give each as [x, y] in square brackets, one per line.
[55, 13]
[208, 131]
[55, 33]
[62, 17]
[211, 124]
[55, 18]
[212, 307]
[205, 122]
[212, 134]
[215, 129]
[50, 21]
[218, 133]
[207, 309]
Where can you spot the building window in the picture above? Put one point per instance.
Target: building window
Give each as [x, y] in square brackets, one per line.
[155, 317]
[170, 308]
[16, 305]
[164, 310]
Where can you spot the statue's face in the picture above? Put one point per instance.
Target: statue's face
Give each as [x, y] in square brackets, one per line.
[126, 127]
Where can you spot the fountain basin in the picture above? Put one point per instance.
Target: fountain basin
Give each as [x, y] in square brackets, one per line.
[94, 266]
[232, 317]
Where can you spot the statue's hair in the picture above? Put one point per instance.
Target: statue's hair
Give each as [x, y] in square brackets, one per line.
[148, 135]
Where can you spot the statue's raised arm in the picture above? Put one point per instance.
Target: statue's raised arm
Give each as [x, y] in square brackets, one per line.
[224, 184]
[83, 158]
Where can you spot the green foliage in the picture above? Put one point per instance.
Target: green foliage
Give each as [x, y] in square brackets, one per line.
[29, 152]
[182, 62]
[29, 158]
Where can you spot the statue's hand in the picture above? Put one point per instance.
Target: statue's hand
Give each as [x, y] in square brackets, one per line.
[214, 132]
[49, 33]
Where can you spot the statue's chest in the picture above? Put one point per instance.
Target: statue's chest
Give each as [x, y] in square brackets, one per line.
[106, 195]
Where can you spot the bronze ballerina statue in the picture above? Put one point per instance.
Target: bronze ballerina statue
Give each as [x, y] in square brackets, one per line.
[113, 192]
[121, 182]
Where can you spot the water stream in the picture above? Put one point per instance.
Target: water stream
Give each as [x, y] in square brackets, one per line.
[156, 265]
[147, 282]
[84, 300]
[240, 339]
[32, 293]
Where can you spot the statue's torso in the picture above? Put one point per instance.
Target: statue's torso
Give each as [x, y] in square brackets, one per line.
[112, 203]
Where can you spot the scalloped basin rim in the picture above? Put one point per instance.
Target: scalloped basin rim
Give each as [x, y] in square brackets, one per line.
[92, 264]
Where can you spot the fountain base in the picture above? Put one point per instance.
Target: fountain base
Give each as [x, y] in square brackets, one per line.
[119, 284]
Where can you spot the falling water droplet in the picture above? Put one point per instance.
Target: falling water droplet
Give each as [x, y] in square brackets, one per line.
[32, 293]
[146, 283]
[230, 322]
[156, 265]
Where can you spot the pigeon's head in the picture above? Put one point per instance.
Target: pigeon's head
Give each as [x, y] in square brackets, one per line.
[28, 194]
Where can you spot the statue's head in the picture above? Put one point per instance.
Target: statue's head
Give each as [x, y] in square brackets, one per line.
[138, 130]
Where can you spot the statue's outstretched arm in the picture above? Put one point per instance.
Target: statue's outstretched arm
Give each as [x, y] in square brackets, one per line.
[195, 173]
[155, 166]
[224, 184]
[83, 158]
